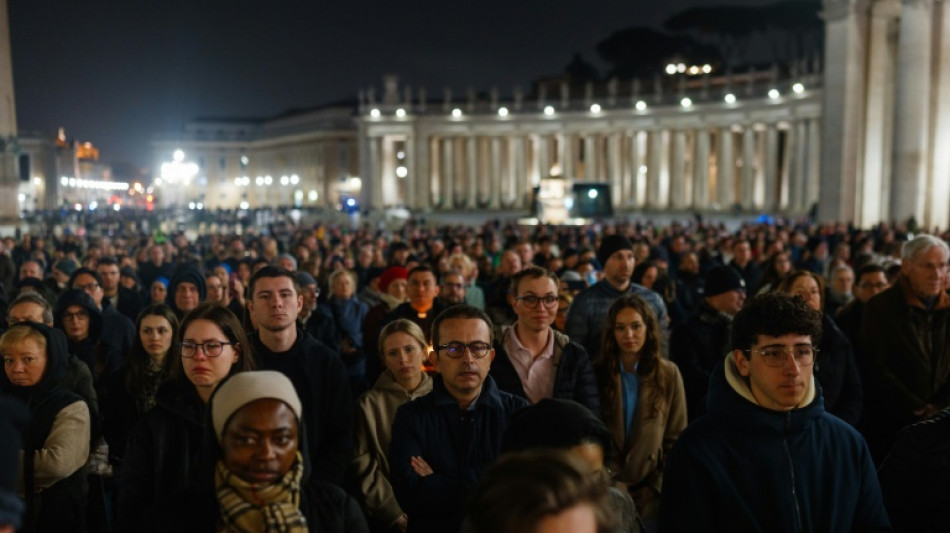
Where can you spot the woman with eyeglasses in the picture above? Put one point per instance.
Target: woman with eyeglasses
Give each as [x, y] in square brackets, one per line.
[643, 400]
[129, 393]
[402, 350]
[835, 367]
[163, 447]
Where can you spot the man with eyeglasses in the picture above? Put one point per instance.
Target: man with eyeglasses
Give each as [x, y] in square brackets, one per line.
[534, 361]
[905, 339]
[442, 441]
[871, 280]
[766, 456]
[317, 320]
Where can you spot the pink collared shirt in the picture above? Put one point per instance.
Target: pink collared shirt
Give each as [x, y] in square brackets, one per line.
[536, 373]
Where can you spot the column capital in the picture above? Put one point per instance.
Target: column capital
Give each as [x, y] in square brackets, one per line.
[838, 9]
[886, 9]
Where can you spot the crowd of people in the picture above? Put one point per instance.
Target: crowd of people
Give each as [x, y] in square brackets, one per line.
[619, 377]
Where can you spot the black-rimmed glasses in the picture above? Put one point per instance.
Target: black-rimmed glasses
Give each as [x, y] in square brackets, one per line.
[211, 348]
[456, 350]
[532, 301]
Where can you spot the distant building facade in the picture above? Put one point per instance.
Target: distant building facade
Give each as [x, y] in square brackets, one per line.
[865, 138]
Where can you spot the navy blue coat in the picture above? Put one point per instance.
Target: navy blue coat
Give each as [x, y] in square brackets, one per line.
[743, 467]
[457, 444]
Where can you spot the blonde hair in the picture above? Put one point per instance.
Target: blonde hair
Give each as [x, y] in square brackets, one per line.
[19, 333]
[402, 326]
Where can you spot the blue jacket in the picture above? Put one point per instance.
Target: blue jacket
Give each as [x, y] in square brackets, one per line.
[457, 444]
[742, 467]
[588, 313]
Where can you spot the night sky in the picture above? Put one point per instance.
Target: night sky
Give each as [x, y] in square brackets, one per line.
[119, 72]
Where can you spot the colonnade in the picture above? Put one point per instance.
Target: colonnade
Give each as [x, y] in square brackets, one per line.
[707, 164]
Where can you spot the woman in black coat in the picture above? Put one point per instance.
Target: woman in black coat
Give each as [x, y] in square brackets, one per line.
[129, 393]
[163, 448]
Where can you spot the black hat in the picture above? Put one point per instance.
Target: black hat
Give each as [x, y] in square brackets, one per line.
[723, 279]
[611, 244]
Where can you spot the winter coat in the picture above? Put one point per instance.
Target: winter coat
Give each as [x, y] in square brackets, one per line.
[745, 468]
[574, 377]
[457, 444]
[160, 457]
[697, 347]
[908, 356]
[837, 373]
[375, 412]
[321, 382]
[55, 445]
[657, 423]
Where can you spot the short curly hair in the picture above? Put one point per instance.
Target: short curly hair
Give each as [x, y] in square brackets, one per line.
[774, 314]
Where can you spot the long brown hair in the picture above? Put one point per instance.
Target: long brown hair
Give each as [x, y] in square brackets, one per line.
[137, 360]
[607, 363]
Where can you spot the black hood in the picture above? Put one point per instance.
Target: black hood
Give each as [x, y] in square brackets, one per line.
[57, 354]
[80, 298]
[190, 274]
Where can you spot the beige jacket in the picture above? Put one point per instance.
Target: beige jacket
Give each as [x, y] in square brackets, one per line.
[643, 455]
[65, 450]
[376, 410]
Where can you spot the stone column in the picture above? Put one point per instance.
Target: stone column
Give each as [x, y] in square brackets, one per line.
[566, 144]
[496, 176]
[387, 173]
[701, 169]
[797, 170]
[471, 172]
[677, 169]
[912, 113]
[725, 167]
[520, 171]
[448, 174]
[812, 183]
[658, 173]
[871, 191]
[590, 158]
[614, 171]
[843, 106]
[747, 196]
[633, 194]
[9, 181]
[771, 170]
[938, 195]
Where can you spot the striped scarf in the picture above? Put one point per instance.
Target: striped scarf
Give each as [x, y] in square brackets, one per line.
[251, 507]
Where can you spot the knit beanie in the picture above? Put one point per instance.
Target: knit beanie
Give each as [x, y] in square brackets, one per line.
[722, 279]
[245, 387]
[391, 274]
[611, 244]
